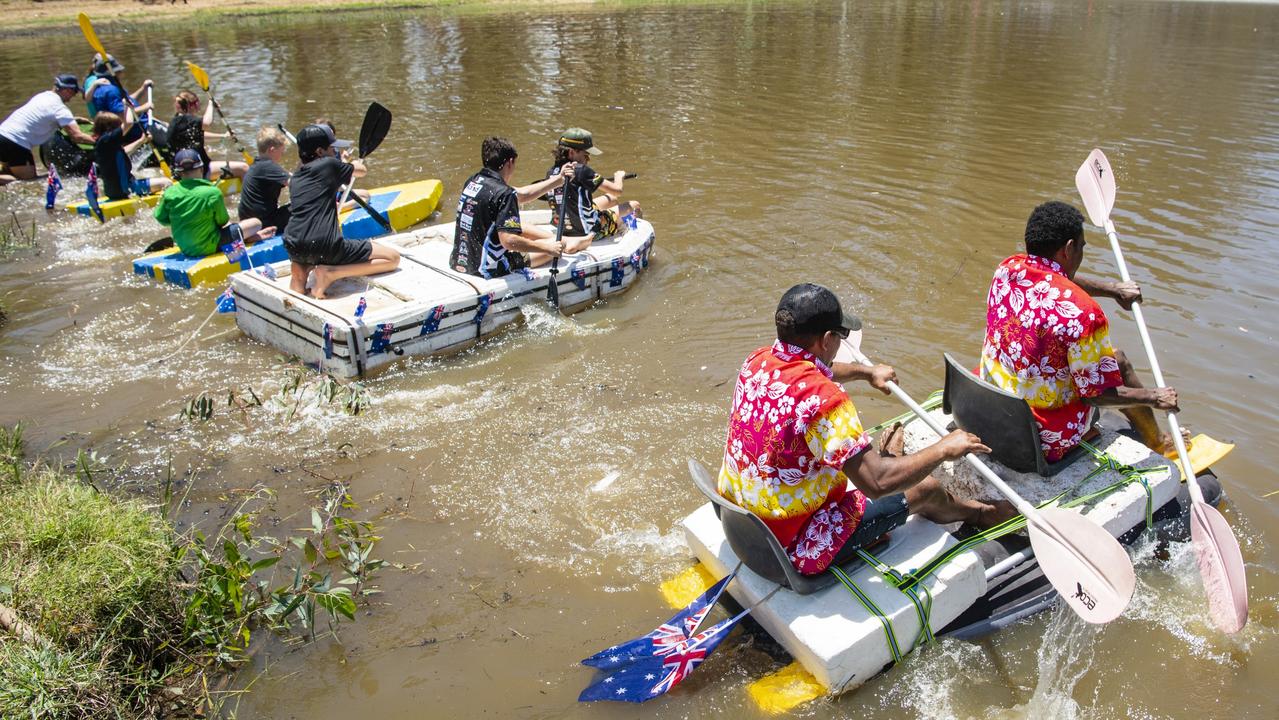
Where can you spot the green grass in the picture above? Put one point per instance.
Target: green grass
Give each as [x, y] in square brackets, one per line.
[46, 682]
[77, 563]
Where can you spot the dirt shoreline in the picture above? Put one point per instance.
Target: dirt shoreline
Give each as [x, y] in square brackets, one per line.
[29, 17]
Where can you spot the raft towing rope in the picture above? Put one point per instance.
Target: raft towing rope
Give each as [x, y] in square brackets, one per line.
[909, 583]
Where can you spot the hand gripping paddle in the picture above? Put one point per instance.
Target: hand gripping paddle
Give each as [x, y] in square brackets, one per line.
[1217, 550]
[1087, 567]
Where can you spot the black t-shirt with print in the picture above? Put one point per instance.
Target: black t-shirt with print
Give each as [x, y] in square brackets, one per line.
[187, 131]
[580, 216]
[115, 170]
[487, 205]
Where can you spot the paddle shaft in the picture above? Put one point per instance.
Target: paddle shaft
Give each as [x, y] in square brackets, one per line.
[1192, 483]
[553, 288]
[1023, 507]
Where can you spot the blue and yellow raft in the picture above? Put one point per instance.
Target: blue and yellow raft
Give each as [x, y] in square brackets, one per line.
[133, 205]
[405, 205]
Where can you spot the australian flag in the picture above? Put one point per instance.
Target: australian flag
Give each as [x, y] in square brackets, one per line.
[236, 251]
[648, 666]
[52, 189]
[226, 301]
[91, 192]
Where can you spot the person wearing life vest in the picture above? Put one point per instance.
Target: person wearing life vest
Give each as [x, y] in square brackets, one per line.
[31, 125]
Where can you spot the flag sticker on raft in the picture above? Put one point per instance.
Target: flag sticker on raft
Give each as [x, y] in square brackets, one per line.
[267, 272]
[432, 321]
[360, 307]
[328, 341]
[235, 251]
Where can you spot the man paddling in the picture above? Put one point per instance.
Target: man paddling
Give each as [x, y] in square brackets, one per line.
[795, 442]
[33, 124]
[1048, 341]
[584, 215]
[489, 240]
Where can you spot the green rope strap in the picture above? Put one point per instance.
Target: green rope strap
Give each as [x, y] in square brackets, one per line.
[871, 608]
[1128, 475]
[923, 608]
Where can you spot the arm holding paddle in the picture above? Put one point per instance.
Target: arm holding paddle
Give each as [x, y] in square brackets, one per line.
[877, 475]
[878, 375]
[528, 193]
[1125, 293]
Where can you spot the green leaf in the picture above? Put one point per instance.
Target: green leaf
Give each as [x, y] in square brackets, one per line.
[310, 552]
[316, 523]
[265, 562]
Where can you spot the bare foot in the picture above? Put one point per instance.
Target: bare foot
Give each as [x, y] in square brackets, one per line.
[323, 279]
[295, 286]
[892, 442]
[994, 513]
[1168, 448]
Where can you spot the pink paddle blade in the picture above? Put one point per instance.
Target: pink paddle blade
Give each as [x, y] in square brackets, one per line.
[1089, 568]
[1096, 183]
[1221, 566]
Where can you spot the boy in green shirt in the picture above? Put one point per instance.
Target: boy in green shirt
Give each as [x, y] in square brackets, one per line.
[195, 210]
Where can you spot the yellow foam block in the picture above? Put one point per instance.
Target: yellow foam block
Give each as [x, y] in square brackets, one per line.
[1204, 452]
[680, 590]
[785, 689]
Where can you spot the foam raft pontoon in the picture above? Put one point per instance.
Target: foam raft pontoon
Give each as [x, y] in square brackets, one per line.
[423, 307]
[405, 205]
[979, 589]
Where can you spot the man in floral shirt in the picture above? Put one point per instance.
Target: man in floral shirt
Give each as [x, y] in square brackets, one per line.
[795, 441]
[1048, 341]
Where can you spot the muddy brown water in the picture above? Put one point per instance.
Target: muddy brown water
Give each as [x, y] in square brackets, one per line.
[890, 149]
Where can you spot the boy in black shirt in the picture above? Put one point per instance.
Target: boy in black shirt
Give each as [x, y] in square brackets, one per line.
[488, 238]
[313, 239]
[584, 215]
[113, 139]
[260, 195]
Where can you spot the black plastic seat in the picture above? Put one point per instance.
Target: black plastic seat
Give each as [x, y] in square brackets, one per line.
[753, 543]
[1002, 420]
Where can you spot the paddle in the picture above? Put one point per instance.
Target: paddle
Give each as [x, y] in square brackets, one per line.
[553, 287]
[1217, 550]
[377, 123]
[164, 166]
[1088, 567]
[386, 224]
[202, 79]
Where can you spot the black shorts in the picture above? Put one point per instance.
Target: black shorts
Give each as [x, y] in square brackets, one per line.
[14, 155]
[342, 252]
[881, 517]
[228, 234]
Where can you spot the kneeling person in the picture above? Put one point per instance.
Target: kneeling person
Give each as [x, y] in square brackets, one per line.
[313, 238]
[196, 211]
[795, 442]
[489, 240]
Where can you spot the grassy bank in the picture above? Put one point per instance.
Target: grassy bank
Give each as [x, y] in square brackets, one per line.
[27, 17]
[106, 610]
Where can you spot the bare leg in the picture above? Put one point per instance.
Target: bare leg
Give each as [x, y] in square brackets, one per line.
[629, 207]
[298, 274]
[577, 243]
[22, 172]
[930, 500]
[383, 258]
[225, 168]
[1142, 418]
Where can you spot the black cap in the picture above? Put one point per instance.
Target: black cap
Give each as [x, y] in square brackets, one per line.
[811, 309]
[66, 81]
[314, 138]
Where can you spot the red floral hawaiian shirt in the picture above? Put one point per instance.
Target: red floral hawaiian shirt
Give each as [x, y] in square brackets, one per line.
[790, 432]
[1048, 342]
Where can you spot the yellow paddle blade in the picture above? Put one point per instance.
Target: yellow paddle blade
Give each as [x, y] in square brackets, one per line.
[201, 77]
[1205, 452]
[786, 689]
[86, 27]
[680, 590]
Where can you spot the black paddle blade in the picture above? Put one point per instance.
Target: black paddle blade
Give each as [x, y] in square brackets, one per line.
[377, 123]
[163, 243]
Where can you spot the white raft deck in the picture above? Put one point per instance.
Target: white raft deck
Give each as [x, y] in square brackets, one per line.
[423, 307]
[842, 645]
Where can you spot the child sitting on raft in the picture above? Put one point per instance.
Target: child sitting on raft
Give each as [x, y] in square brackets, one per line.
[188, 131]
[196, 211]
[313, 239]
[114, 138]
[585, 215]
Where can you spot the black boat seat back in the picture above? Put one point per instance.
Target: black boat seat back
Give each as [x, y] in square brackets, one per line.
[753, 543]
[1001, 419]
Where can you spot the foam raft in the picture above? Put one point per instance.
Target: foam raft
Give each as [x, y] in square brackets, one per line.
[133, 205]
[406, 204]
[423, 307]
[841, 645]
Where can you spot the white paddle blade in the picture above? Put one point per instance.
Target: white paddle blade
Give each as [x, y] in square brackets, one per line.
[1221, 567]
[1096, 183]
[849, 348]
[1088, 567]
